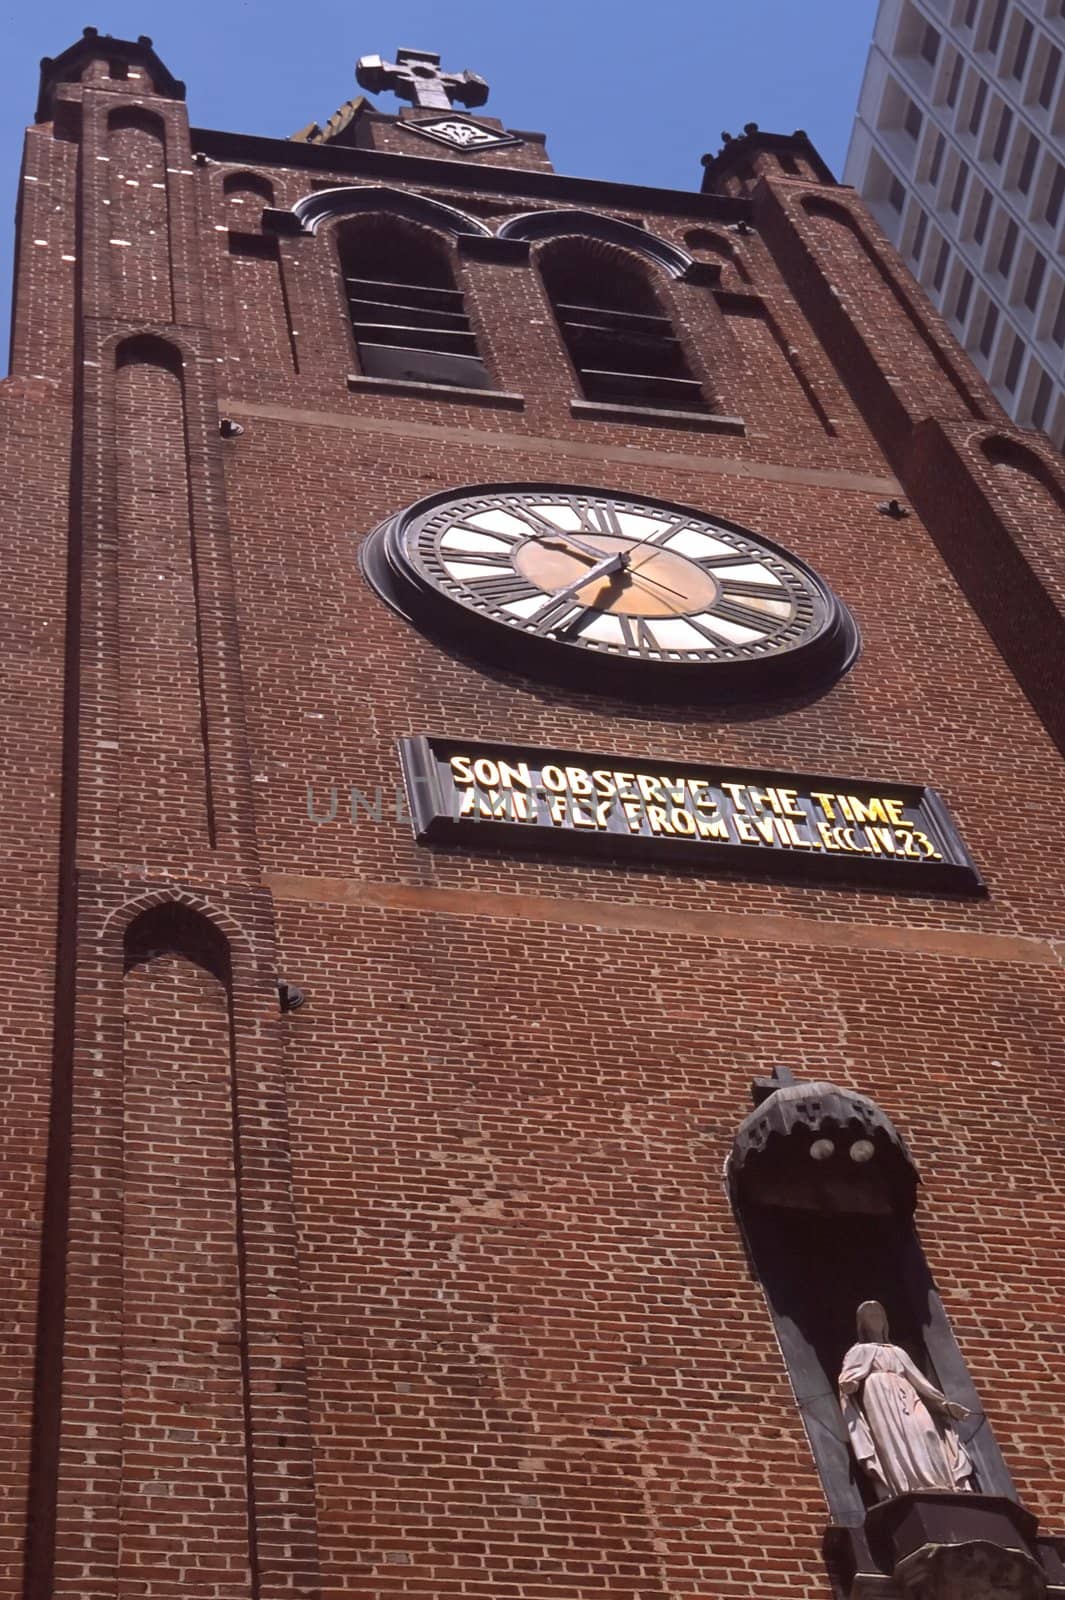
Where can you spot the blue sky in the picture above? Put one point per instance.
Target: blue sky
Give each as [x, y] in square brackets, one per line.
[635, 91]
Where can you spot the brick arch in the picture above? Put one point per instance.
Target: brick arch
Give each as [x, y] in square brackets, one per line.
[237, 183]
[179, 1093]
[327, 205]
[868, 283]
[137, 117]
[175, 929]
[416, 257]
[818, 206]
[1001, 451]
[708, 239]
[1033, 500]
[149, 349]
[380, 227]
[157, 527]
[164, 905]
[621, 264]
[542, 225]
[139, 223]
[578, 269]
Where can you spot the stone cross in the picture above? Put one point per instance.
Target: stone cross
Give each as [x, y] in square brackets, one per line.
[415, 75]
[781, 1078]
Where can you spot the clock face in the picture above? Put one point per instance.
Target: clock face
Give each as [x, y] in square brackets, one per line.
[599, 588]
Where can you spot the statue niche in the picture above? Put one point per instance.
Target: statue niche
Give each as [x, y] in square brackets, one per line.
[824, 1191]
[901, 1427]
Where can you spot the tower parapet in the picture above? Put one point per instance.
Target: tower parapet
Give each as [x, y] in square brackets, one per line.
[100, 59]
[744, 159]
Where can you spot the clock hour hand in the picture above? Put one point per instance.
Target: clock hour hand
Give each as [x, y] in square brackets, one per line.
[589, 549]
[578, 544]
[543, 618]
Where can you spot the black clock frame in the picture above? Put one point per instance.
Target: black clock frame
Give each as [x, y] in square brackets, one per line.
[828, 648]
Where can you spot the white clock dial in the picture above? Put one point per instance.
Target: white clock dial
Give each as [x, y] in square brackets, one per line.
[617, 580]
[614, 577]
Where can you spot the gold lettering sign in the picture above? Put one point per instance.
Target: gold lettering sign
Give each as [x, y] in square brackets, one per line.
[562, 800]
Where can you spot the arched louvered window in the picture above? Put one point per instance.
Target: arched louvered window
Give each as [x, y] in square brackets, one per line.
[407, 312]
[622, 344]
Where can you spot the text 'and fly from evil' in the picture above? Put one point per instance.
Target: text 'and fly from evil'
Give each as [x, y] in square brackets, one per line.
[679, 805]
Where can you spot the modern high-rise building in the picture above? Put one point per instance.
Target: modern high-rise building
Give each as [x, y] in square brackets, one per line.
[959, 150]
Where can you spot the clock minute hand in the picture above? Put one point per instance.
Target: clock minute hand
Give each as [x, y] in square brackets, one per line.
[612, 563]
[654, 582]
[638, 566]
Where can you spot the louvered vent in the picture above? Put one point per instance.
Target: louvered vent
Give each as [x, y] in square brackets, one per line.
[409, 319]
[624, 350]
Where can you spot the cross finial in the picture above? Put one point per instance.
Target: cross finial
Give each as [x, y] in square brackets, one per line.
[780, 1078]
[415, 75]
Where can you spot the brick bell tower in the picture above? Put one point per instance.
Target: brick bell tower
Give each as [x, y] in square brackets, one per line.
[496, 662]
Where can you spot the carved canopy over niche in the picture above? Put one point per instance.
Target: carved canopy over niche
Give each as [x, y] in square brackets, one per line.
[814, 1147]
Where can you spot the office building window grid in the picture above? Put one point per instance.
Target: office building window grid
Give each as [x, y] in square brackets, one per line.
[962, 121]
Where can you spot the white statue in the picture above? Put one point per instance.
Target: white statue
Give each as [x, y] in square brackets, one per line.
[888, 1407]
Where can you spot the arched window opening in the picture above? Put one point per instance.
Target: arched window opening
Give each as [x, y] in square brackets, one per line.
[407, 313]
[624, 349]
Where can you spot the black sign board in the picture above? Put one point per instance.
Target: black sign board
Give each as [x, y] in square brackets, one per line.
[898, 834]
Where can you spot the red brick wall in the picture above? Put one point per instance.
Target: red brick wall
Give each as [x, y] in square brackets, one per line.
[137, 216]
[540, 1360]
[34, 461]
[184, 1466]
[163, 787]
[453, 1236]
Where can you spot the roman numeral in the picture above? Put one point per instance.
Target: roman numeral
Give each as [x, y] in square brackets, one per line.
[601, 519]
[558, 616]
[638, 635]
[664, 535]
[645, 638]
[505, 590]
[593, 520]
[485, 533]
[732, 611]
[475, 557]
[538, 525]
[758, 591]
[711, 638]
